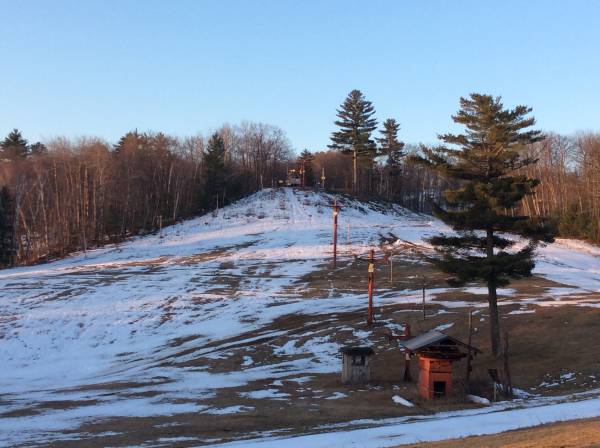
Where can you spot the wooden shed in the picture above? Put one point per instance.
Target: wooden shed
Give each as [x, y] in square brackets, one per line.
[356, 364]
[436, 351]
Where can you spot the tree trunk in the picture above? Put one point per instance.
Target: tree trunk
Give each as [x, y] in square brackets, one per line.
[493, 299]
[494, 318]
[354, 160]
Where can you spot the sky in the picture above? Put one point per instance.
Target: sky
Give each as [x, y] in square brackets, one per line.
[102, 68]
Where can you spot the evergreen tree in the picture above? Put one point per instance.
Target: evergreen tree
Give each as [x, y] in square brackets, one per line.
[305, 160]
[354, 136]
[7, 230]
[486, 167]
[37, 149]
[14, 146]
[389, 145]
[131, 141]
[215, 174]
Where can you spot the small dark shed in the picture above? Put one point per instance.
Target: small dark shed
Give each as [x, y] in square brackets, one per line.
[437, 351]
[356, 365]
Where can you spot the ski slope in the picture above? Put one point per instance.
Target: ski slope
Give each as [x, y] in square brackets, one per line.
[130, 329]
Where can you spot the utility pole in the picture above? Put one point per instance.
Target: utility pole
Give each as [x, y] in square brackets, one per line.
[302, 171]
[469, 357]
[336, 210]
[354, 165]
[371, 272]
[423, 299]
[407, 376]
[507, 379]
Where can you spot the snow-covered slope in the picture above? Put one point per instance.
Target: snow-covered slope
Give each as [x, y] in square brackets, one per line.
[87, 328]
[102, 316]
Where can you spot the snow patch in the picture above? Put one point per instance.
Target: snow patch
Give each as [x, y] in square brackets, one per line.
[265, 393]
[336, 396]
[399, 400]
[478, 400]
[229, 410]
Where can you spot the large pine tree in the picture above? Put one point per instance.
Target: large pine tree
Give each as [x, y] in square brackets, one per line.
[215, 175]
[389, 145]
[14, 146]
[355, 122]
[392, 149]
[484, 162]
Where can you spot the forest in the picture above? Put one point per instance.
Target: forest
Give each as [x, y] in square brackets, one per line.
[66, 195]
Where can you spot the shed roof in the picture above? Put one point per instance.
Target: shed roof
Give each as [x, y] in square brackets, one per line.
[432, 338]
[357, 351]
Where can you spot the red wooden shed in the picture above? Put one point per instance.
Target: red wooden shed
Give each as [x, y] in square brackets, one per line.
[436, 351]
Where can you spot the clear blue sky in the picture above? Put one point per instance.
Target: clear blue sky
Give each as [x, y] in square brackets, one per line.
[105, 67]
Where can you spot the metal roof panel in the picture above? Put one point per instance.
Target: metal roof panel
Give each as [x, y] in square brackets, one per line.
[423, 340]
[430, 338]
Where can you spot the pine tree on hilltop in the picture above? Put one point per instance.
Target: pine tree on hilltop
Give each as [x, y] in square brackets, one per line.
[215, 174]
[131, 142]
[14, 146]
[486, 165]
[356, 124]
[389, 145]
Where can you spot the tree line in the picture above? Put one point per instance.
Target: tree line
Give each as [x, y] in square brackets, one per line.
[67, 195]
[568, 168]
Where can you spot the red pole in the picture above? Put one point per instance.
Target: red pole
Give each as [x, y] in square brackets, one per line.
[335, 217]
[371, 271]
